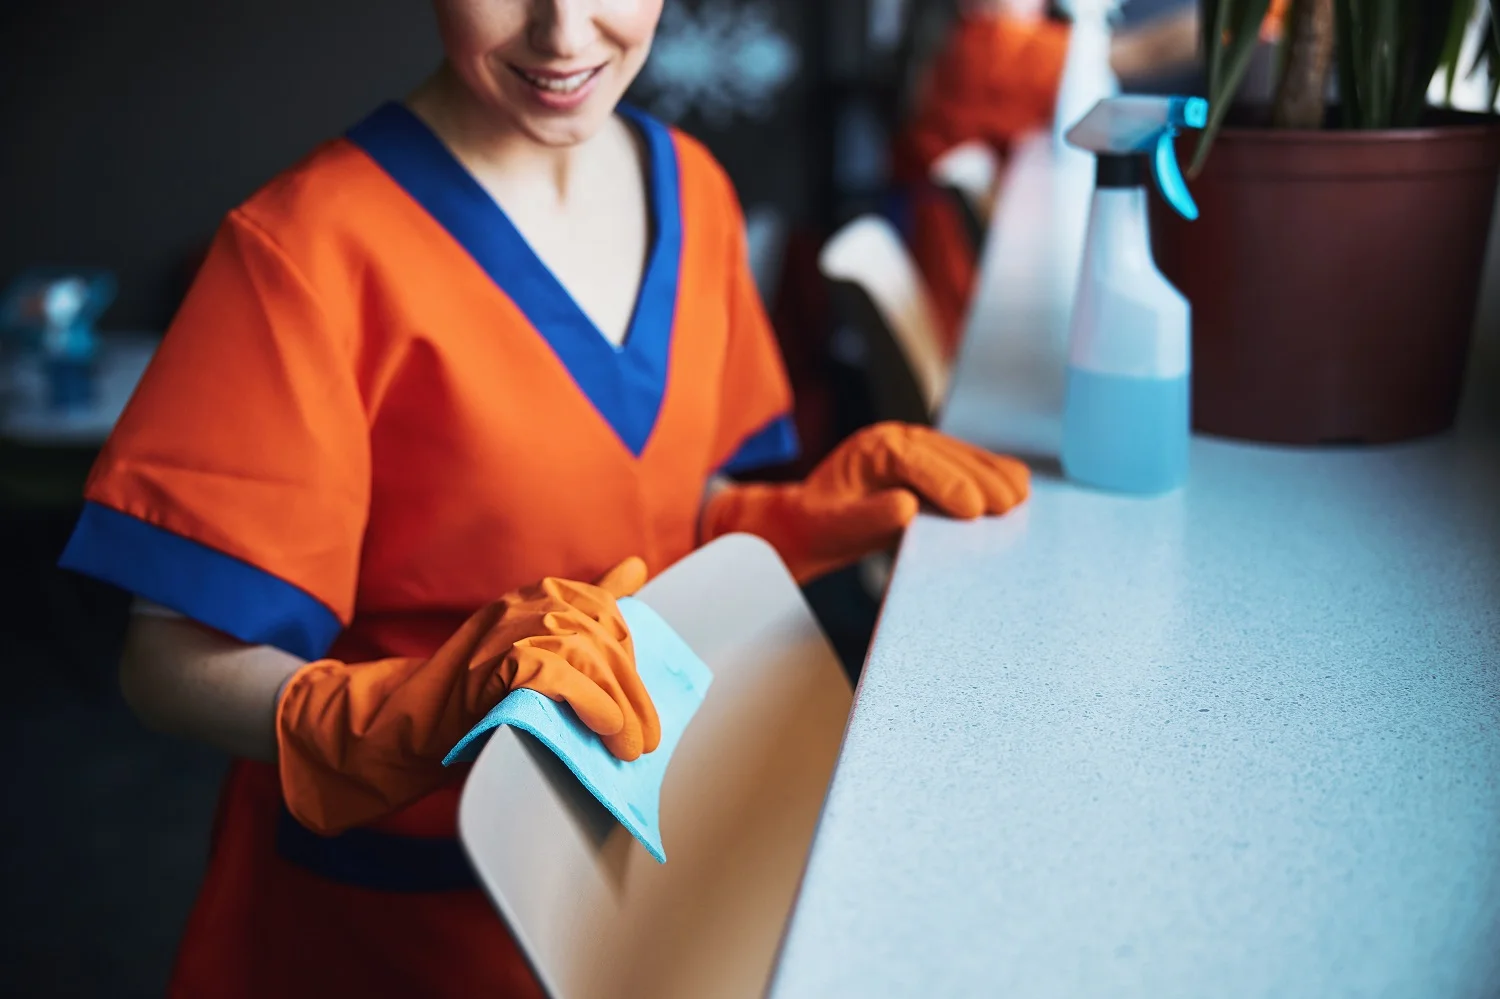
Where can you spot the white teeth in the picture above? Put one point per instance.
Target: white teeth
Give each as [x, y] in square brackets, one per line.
[560, 84]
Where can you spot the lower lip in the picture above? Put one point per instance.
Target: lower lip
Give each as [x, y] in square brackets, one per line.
[555, 100]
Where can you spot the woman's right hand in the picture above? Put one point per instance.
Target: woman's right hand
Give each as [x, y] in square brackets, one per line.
[576, 649]
[358, 741]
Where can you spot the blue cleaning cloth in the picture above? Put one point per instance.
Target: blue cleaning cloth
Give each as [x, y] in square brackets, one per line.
[677, 681]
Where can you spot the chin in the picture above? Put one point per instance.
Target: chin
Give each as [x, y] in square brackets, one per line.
[561, 130]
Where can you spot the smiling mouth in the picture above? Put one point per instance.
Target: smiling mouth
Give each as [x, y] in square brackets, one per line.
[554, 83]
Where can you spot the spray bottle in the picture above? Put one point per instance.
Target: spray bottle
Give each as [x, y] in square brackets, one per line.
[1126, 417]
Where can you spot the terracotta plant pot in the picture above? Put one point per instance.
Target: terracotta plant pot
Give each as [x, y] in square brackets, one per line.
[1334, 277]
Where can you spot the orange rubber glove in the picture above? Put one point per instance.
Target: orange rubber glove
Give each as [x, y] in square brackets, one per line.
[859, 499]
[359, 741]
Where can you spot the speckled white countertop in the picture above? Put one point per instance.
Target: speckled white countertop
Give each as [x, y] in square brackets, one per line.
[1239, 741]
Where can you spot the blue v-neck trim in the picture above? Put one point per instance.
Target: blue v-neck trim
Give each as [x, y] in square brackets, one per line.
[626, 384]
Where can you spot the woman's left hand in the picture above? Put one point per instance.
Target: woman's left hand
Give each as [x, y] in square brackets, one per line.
[859, 499]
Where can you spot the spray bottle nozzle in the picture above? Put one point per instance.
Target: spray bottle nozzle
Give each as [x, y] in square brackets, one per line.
[1194, 111]
[1137, 125]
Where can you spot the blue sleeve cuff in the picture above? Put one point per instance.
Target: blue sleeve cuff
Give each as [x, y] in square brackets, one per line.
[774, 444]
[215, 589]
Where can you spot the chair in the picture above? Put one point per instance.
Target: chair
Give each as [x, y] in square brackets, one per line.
[595, 915]
[876, 285]
[969, 172]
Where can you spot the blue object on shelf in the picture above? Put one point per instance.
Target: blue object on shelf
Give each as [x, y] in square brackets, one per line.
[52, 312]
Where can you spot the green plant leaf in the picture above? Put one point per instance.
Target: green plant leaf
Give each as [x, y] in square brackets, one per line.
[1383, 40]
[1488, 56]
[1463, 12]
[1242, 19]
[1484, 57]
[1346, 59]
[1426, 29]
[1362, 59]
[1346, 55]
[1211, 29]
[1389, 53]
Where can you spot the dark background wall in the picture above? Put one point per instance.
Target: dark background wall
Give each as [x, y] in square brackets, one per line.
[129, 129]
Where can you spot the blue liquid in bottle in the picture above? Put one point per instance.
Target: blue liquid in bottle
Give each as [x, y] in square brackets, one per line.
[1126, 434]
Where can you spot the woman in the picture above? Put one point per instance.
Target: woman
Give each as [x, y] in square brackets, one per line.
[439, 395]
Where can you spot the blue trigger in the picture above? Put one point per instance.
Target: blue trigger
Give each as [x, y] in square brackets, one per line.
[1169, 176]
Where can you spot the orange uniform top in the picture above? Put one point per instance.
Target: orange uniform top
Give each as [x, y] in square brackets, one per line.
[376, 410]
[995, 80]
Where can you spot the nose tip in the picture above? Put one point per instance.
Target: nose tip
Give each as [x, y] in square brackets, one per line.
[561, 28]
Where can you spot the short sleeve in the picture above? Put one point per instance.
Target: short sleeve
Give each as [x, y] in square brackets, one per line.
[756, 428]
[235, 489]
